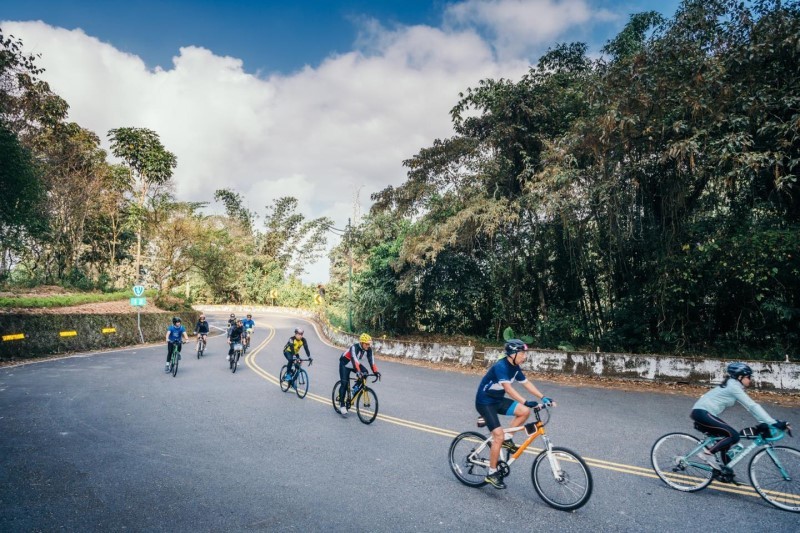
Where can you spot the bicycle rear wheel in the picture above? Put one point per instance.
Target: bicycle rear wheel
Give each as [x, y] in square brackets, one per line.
[673, 459]
[775, 474]
[367, 405]
[300, 383]
[562, 479]
[282, 378]
[335, 396]
[470, 472]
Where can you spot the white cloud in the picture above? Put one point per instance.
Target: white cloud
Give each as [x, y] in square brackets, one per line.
[518, 26]
[320, 134]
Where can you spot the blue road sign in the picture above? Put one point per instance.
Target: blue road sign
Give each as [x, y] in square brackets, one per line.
[138, 290]
[139, 302]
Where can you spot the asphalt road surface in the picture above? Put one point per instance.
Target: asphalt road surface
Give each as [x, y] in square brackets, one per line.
[109, 442]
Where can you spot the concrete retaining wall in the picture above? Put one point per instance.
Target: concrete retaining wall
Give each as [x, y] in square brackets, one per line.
[695, 370]
[43, 332]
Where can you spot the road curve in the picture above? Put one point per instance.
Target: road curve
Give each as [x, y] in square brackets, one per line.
[108, 441]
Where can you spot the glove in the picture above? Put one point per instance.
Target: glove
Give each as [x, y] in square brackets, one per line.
[547, 401]
[310, 361]
[780, 424]
[531, 403]
[378, 375]
[365, 374]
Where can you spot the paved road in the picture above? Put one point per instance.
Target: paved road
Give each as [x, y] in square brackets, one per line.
[109, 442]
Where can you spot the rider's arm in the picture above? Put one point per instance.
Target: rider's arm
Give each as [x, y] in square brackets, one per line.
[532, 389]
[351, 354]
[371, 359]
[166, 339]
[305, 345]
[514, 395]
[748, 403]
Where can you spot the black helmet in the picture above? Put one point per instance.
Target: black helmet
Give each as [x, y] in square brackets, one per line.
[233, 315]
[298, 330]
[514, 346]
[739, 370]
[175, 320]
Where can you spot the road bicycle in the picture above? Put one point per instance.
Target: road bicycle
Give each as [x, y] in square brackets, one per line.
[364, 398]
[201, 344]
[560, 476]
[299, 380]
[175, 357]
[237, 353]
[774, 470]
[249, 333]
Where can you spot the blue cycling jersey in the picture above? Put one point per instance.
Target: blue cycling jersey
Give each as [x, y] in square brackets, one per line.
[490, 389]
[176, 333]
[248, 323]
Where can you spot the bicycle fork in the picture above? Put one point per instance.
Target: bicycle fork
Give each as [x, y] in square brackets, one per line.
[555, 466]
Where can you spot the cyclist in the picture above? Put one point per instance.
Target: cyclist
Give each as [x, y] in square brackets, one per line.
[491, 401]
[231, 323]
[235, 335]
[175, 334]
[707, 409]
[248, 327]
[349, 362]
[201, 329]
[292, 350]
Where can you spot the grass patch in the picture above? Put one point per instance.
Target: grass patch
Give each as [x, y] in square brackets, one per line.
[65, 300]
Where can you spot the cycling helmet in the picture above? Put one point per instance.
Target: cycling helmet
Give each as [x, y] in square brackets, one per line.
[175, 320]
[233, 315]
[298, 330]
[515, 346]
[365, 338]
[739, 370]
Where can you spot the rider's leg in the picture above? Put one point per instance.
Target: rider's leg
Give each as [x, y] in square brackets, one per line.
[344, 375]
[713, 425]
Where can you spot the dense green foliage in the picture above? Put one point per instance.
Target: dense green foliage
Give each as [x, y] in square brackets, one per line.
[68, 217]
[645, 201]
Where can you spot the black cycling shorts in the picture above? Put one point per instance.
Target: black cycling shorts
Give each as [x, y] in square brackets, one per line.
[490, 411]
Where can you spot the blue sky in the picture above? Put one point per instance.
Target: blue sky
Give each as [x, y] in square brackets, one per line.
[322, 101]
[268, 36]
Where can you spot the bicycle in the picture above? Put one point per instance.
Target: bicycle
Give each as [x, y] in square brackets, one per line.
[774, 470]
[248, 332]
[299, 380]
[237, 353]
[365, 399]
[201, 344]
[560, 476]
[175, 357]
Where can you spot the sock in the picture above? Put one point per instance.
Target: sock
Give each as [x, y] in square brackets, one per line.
[492, 470]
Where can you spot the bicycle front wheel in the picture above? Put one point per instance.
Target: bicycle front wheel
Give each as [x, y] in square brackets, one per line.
[673, 459]
[367, 405]
[174, 364]
[469, 467]
[562, 479]
[235, 361]
[775, 474]
[282, 378]
[301, 383]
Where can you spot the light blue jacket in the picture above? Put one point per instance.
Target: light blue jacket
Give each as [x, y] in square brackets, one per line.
[720, 398]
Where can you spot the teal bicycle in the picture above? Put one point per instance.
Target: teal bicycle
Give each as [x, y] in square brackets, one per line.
[774, 470]
[298, 380]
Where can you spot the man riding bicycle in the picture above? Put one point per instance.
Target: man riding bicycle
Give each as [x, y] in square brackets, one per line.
[490, 401]
[235, 335]
[175, 334]
[291, 351]
[249, 325]
[201, 329]
[349, 362]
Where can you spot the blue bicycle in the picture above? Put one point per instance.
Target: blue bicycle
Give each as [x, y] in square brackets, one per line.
[774, 470]
[298, 380]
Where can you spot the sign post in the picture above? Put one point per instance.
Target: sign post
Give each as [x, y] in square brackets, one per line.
[139, 301]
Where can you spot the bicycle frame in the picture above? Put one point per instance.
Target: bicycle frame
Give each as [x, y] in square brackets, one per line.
[757, 442]
[534, 430]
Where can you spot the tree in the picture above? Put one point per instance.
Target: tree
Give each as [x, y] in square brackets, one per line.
[151, 167]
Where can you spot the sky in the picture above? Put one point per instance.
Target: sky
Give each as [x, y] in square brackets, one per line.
[319, 100]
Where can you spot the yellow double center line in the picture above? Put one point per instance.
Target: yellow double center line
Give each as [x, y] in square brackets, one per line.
[250, 361]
